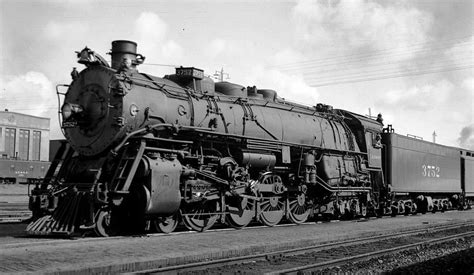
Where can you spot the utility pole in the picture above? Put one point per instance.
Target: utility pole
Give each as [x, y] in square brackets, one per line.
[370, 114]
[434, 136]
[219, 75]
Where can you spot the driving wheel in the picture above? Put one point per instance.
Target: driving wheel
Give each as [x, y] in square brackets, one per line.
[298, 211]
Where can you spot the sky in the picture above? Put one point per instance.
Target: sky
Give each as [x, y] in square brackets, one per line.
[410, 60]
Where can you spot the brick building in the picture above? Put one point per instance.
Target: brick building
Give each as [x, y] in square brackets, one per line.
[24, 146]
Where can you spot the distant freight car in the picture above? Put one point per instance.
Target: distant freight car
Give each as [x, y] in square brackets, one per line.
[21, 171]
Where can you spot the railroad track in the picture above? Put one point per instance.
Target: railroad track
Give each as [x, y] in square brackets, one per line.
[318, 257]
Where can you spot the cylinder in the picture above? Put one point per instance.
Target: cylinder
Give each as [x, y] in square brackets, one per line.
[123, 49]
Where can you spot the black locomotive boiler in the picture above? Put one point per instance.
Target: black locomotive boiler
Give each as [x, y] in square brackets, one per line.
[145, 151]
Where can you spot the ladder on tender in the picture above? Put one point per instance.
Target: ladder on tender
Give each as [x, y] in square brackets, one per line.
[127, 167]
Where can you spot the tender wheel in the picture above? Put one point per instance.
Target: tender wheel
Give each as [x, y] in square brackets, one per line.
[103, 224]
[271, 211]
[166, 224]
[401, 208]
[363, 210]
[393, 210]
[298, 212]
[414, 209]
[199, 217]
[241, 212]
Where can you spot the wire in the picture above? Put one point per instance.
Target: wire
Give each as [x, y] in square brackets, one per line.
[372, 62]
[329, 83]
[376, 53]
[162, 65]
[382, 70]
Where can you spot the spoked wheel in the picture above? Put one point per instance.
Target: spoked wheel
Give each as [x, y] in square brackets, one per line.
[271, 211]
[166, 224]
[103, 224]
[241, 212]
[297, 212]
[199, 217]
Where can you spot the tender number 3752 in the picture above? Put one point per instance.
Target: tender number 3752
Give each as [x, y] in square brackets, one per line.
[430, 171]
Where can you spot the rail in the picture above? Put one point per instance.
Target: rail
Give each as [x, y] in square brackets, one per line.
[200, 266]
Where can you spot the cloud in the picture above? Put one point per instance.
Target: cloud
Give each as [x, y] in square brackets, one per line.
[466, 138]
[247, 66]
[468, 84]
[150, 28]
[172, 50]
[287, 56]
[290, 87]
[151, 35]
[31, 93]
[64, 31]
[461, 51]
[356, 26]
[417, 98]
[216, 47]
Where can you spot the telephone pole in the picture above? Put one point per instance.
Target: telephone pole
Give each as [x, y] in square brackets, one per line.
[434, 136]
[219, 75]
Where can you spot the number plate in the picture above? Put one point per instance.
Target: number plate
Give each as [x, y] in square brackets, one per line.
[191, 72]
[69, 124]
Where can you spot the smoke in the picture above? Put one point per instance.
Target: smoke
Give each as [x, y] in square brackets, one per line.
[466, 139]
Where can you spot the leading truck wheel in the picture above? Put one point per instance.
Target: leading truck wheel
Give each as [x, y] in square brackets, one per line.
[166, 224]
[103, 225]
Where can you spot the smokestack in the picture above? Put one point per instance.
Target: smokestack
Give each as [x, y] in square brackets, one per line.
[124, 49]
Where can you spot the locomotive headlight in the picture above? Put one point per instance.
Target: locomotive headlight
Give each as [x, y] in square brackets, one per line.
[66, 111]
[69, 109]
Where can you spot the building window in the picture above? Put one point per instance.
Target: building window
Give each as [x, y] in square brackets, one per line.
[10, 136]
[24, 144]
[36, 145]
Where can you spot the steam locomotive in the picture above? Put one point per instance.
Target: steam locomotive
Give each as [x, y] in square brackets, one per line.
[148, 152]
